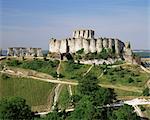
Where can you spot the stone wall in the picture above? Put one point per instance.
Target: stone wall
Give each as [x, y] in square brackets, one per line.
[21, 52]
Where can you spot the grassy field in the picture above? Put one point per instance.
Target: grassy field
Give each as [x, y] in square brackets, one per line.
[73, 70]
[127, 75]
[34, 91]
[64, 98]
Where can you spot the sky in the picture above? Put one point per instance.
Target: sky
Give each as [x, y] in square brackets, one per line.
[31, 23]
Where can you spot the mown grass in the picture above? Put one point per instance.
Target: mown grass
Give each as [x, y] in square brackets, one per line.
[35, 92]
[64, 98]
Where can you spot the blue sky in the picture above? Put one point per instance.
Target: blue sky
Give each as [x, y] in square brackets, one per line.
[33, 22]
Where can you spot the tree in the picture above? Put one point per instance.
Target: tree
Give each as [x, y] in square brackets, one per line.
[14, 108]
[84, 110]
[53, 116]
[104, 96]
[93, 98]
[88, 85]
[125, 112]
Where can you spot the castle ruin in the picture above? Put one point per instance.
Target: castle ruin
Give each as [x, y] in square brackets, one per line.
[22, 51]
[84, 39]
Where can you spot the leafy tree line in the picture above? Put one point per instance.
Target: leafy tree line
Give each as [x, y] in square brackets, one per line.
[14, 108]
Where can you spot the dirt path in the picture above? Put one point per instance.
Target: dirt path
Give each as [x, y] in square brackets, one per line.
[58, 88]
[56, 95]
[143, 68]
[70, 90]
[88, 70]
[138, 111]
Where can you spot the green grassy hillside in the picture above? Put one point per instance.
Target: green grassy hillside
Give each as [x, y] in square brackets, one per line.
[34, 91]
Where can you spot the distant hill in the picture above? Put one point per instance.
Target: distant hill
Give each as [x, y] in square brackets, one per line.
[142, 53]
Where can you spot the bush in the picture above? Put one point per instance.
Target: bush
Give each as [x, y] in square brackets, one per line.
[80, 51]
[13, 62]
[130, 80]
[146, 92]
[142, 108]
[118, 62]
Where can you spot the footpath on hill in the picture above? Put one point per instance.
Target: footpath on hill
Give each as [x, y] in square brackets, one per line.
[48, 78]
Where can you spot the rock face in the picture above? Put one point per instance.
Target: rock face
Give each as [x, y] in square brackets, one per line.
[85, 39]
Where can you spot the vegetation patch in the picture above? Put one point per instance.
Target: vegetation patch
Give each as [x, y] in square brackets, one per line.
[48, 67]
[35, 92]
[64, 98]
[71, 70]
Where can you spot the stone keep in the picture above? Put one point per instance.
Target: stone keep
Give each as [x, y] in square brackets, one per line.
[87, 34]
[85, 39]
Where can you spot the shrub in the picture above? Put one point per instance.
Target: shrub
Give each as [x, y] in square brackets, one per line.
[130, 80]
[80, 51]
[13, 62]
[146, 92]
[142, 108]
